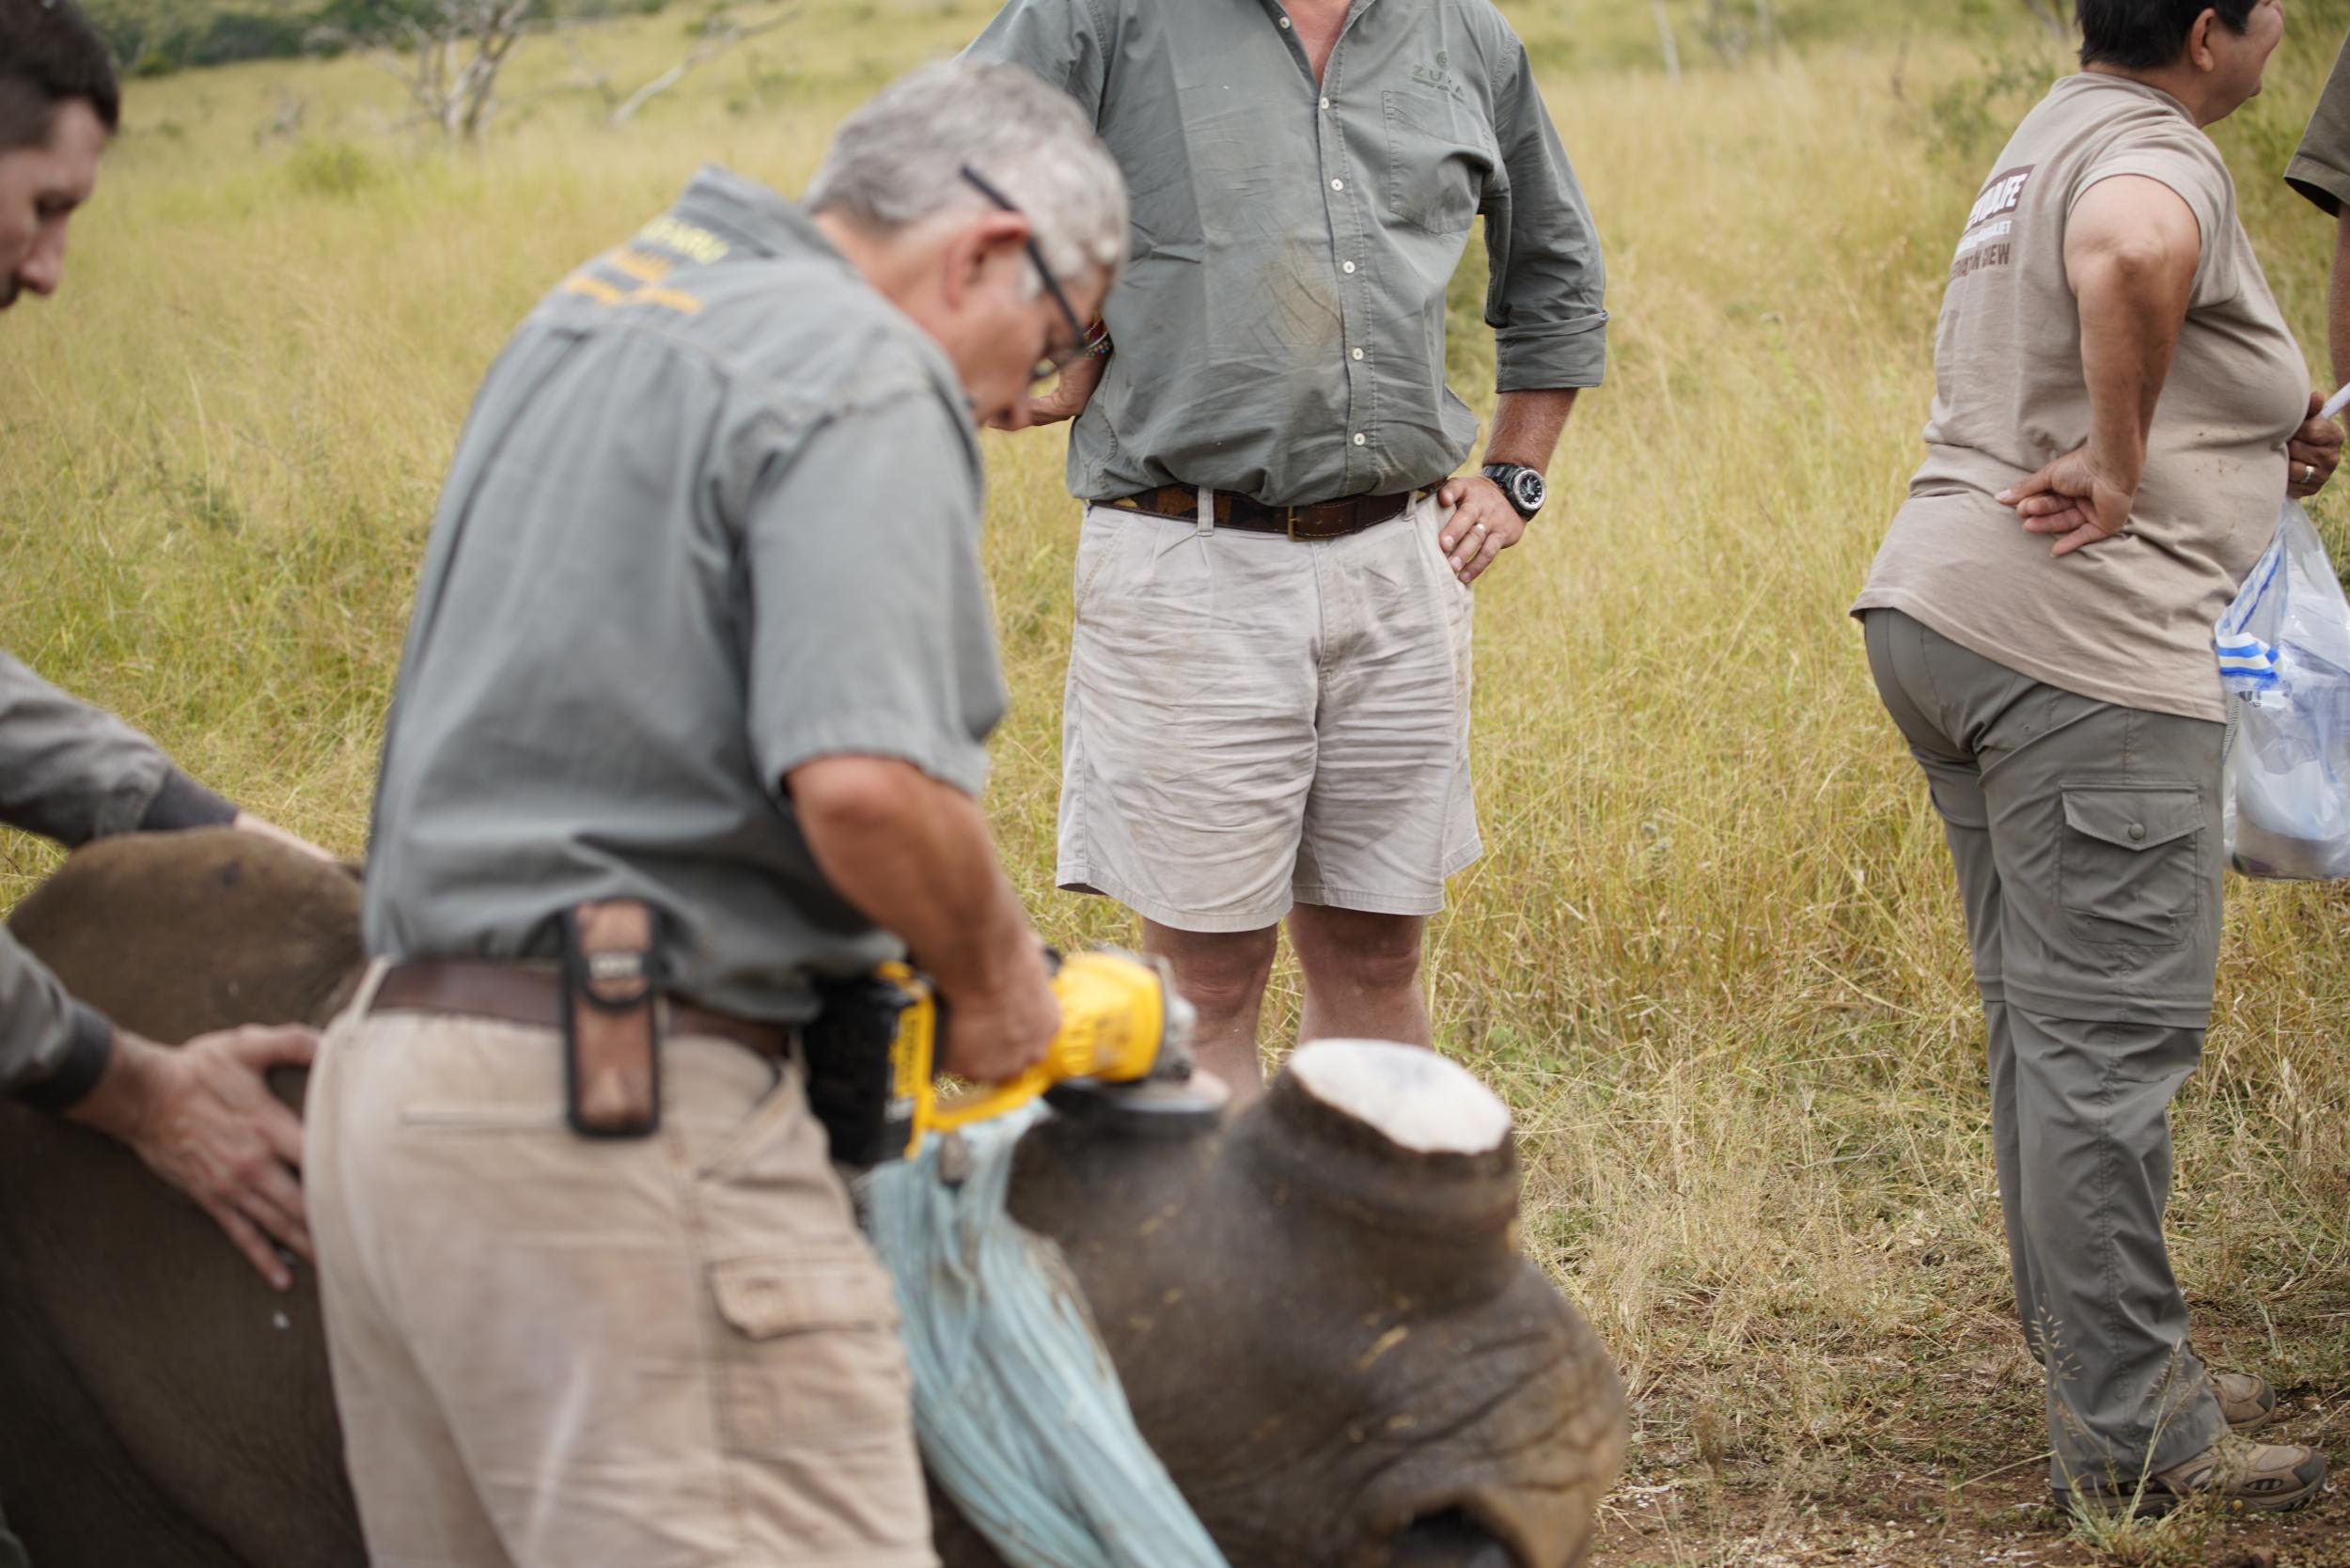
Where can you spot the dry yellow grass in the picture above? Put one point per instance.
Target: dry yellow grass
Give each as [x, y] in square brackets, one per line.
[1714, 955]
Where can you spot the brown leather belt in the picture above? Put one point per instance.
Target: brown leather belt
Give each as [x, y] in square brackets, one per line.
[532, 993]
[1326, 520]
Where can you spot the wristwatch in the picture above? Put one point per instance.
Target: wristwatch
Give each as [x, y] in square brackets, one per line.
[1523, 485]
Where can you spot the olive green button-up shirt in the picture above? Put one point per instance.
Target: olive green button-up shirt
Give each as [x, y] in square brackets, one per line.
[2320, 169]
[1281, 329]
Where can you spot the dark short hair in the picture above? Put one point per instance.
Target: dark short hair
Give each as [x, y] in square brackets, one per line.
[2145, 35]
[50, 53]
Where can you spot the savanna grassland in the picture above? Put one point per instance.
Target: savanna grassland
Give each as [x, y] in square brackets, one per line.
[1713, 956]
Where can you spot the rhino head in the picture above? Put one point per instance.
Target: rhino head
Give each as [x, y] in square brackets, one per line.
[1324, 1325]
[1318, 1307]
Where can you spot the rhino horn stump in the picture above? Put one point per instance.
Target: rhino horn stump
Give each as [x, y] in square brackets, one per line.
[1404, 1140]
[1415, 1162]
[1417, 1100]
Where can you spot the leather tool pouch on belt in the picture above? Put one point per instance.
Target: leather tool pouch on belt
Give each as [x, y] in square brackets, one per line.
[849, 1067]
[611, 1019]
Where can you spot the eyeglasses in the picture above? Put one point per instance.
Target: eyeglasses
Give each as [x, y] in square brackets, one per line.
[1046, 369]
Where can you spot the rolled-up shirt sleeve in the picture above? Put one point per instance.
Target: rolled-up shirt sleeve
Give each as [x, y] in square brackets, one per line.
[2182, 159]
[1547, 299]
[2320, 169]
[872, 633]
[73, 772]
[1066, 43]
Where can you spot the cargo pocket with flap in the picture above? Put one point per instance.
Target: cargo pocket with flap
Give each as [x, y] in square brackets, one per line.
[811, 1352]
[2131, 864]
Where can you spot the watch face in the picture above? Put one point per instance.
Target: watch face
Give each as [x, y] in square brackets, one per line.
[1527, 489]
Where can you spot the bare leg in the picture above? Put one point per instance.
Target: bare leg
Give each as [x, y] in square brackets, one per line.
[1362, 975]
[1223, 974]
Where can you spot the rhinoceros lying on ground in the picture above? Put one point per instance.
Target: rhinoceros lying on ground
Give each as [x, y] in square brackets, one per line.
[1329, 1339]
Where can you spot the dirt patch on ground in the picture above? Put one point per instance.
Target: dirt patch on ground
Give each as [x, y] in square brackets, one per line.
[2008, 1522]
[1866, 1509]
[1715, 1523]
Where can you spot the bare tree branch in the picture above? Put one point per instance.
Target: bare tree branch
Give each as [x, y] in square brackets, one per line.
[714, 43]
[585, 77]
[2049, 15]
[450, 55]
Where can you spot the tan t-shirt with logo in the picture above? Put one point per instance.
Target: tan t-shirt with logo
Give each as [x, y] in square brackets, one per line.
[2128, 620]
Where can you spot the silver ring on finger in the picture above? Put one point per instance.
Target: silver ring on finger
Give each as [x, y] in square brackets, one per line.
[2308, 473]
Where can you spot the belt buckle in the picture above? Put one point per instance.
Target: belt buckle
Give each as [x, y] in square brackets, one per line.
[1289, 523]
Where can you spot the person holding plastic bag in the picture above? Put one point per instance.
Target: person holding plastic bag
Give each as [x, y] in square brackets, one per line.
[2284, 658]
[2116, 396]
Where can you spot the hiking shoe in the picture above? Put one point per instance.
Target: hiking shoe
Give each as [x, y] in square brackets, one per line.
[2248, 1403]
[2256, 1477]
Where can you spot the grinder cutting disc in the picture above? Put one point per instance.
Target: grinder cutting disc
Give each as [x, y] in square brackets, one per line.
[1174, 1099]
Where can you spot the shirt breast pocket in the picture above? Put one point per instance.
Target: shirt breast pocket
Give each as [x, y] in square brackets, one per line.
[1440, 153]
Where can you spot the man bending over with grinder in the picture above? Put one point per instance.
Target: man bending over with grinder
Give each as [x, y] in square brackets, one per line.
[690, 718]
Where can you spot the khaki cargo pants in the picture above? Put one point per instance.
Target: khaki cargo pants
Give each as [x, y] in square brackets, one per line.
[557, 1353]
[2087, 838]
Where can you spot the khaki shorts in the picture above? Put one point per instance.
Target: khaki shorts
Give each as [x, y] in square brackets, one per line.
[555, 1353]
[1254, 723]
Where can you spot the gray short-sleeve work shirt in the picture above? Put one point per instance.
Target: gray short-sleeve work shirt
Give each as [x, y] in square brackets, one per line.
[715, 514]
[1280, 327]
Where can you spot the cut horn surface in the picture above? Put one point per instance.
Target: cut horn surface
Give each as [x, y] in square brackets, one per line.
[1416, 1099]
[1394, 1134]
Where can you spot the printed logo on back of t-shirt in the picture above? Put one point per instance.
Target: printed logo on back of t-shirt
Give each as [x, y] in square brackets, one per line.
[1987, 242]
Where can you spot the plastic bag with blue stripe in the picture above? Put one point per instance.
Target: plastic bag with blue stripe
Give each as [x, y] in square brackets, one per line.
[2285, 660]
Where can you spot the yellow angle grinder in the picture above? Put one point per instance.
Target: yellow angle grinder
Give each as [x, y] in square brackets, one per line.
[1124, 1032]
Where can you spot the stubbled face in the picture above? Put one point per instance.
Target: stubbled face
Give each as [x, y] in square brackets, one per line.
[2239, 58]
[1013, 323]
[41, 188]
[1336, 1348]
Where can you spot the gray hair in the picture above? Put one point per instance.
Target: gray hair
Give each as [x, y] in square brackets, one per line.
[899, 157]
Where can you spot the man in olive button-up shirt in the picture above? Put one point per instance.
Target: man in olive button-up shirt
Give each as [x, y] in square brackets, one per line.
[2319, 170]
[1263, 728]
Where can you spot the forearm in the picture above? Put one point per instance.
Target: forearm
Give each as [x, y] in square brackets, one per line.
[2338, 303]
[72, 773]
[2131, 315]
[53, 1049]
[915, 857]
[122, 1102]
[1526, 427]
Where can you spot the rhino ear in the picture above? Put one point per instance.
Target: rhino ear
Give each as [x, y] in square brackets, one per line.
[1417, 1100]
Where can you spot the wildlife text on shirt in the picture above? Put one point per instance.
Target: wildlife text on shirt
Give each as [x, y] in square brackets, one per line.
[1987, 242]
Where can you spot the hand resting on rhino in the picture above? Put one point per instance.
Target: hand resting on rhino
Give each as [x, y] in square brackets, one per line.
[1318, 1309]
